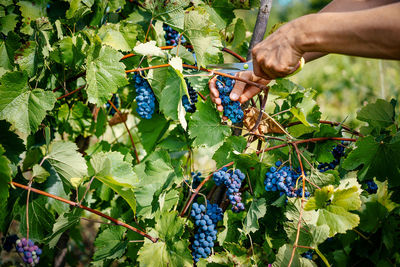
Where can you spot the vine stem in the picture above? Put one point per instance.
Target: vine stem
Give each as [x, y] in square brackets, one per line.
[75, 204]
[332, 123]
[72, 92]
[127, 129]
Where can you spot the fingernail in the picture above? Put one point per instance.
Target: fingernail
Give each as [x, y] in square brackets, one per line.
[234, 96]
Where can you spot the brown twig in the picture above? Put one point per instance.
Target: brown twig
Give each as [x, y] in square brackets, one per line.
[71, 79]
[127, 129]
[75, 204]
[72, 92]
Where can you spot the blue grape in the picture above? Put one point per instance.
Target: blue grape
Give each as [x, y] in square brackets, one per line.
[196, 179]
[206, 220]
[145, 98]
[115, 101]
[30, 252]
[307, 255]
[233, 181]
[372, 187]
[283, 180]
[171, 36]
[190, 106]
[337, 152]
[232, 109]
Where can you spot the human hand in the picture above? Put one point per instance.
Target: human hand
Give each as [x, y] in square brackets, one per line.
[241, 92]
[279, 54]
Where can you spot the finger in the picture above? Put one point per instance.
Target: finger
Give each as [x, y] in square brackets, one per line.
[220, 108]
[239, 85]
[249, 93]
[214, 93]
[258, 69]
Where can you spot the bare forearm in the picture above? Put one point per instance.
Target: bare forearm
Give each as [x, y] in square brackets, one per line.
[346, 6]
[367, 33]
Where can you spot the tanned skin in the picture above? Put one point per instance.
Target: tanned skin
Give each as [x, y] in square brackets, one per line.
[357, 28]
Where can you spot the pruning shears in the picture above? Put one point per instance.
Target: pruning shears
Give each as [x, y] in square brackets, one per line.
[231, 68]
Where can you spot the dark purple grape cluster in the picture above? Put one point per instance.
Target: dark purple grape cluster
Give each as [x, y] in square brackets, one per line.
[233, 181]
[196, 179]
[190, 106]
[206, 220]
[232, 109]
[145, 98]
[307, 255]
[283, 179]
[372, 187]
[337, 153]
[109, 108]
[30, 251]
[9, 242]
[171, 36]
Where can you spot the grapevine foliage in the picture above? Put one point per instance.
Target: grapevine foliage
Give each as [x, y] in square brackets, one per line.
[294, 190]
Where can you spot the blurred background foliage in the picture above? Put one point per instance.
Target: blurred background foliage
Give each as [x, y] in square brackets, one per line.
[344, 84]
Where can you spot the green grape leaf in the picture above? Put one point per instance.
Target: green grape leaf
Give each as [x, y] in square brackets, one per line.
[101, 123]
[110, 243]
[30, 12]
[170, 249]
[203, 35]
[171, 97]
[377, 159]
[152, 130]
[322, 179]
[232, 222]
[121, 36]
[105, 74]
[41, 220]
[149, 49]
[225, 11]
[284, 255]
[66, 160]
[23, 108]
[39, 173]
[78, 9]
[383, 196]
[156, 174]
[28, 58]
[8, 23]
[70, 51]
[257, 210]
[333, 206]
[371, 216]
[323, 150]
[239, 33]
[111, 169]
[7, 52]
[63, 223]
[378, 114]
[11, 142]
[232, 146]
[170, 12]
[5, 175]
[307, 111]
[206, 125]
[184, 54]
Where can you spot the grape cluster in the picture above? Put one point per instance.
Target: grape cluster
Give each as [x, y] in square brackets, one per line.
[283, 180]
[233, 181]
[206, 220]
[115, 101]
[337, 153]
[196, 179]
[30, 251]
[232, 109]
[372, 187]
[171, 36]
[307, 255]
[145, 98]
[190, 106]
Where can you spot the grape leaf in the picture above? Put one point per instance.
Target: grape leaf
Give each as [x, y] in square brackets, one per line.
[121, 36]
[28, 58]
[377, 159]
[7, 52]
[323, 150]
[23, 108]
[171, 12]
[149, 49]
[156, 174]
[70, 51]
[41, 220]
[334, 205]
[65, 159]
[152, 130]
[5, 175]
[232, 146]
[170, 249]
[239, 33]
[111, 169]
[11, 142]
[110, 243]
[383, 196]
[307, 111]
[203, 35]
[105, 73]
[224, 8]
[8, 23]
[171, 95]
[378, 114]
[39, 173]
[78, 9]
[206, 125]
[30, 12]
[232, 222]
[284, 255]
[63, 223]
[257, 210]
